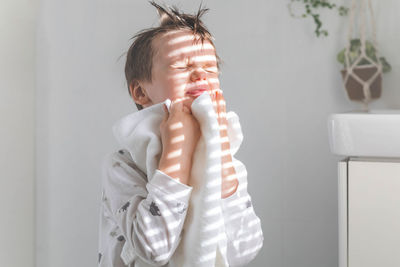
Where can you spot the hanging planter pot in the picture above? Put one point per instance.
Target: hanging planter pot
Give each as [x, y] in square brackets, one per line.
[355, 88]
[363, 68]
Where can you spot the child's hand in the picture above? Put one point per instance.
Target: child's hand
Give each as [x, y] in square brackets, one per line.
[180, 132]
[229, 179]
[220, 109]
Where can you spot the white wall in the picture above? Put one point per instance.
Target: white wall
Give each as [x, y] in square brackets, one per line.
[17, 143]
[281, 80]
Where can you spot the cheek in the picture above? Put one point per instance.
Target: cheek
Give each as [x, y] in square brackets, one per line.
[175, 86]
[214, 83]
[157, 91]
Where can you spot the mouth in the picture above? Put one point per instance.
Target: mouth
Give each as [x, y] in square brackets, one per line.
[196, 92]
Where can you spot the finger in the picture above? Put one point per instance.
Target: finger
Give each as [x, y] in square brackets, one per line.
[173, 107]
[218, 100]
[166, 111]
[186, 110]
[222, 120]
[222, 102]
[166, 115]
[187, 102]
[221, 109]
[214, 101]
[176, 106]
[216, 93]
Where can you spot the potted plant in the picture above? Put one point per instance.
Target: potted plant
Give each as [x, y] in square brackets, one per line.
[367, 67]
[311, 9]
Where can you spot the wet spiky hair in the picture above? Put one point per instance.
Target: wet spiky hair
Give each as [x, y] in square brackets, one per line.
[139, 59]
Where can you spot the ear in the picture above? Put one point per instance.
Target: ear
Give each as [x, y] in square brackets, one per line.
[139, 94]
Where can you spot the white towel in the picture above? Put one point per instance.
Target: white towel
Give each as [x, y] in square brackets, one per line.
[203, 242]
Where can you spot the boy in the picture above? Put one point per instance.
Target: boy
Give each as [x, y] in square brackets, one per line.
[168, 62]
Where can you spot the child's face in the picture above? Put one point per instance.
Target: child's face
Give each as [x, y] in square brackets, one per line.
[179, 66]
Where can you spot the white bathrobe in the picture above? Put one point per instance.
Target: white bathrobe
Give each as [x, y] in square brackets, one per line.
[204, 238]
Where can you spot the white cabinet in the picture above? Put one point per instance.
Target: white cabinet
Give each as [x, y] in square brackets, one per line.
[369, 212]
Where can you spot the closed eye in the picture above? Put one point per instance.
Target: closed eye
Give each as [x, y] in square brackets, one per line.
[209, 69]
[212, 69]
[179, 67]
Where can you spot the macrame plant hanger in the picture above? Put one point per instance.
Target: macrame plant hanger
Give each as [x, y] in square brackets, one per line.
[365, 83]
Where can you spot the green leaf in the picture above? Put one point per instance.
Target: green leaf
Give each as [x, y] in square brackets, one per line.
[385, 65]
[340, 56]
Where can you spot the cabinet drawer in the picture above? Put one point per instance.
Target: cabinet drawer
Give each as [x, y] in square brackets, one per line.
[373, 214]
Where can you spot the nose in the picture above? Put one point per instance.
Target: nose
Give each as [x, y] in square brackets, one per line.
[198, 74]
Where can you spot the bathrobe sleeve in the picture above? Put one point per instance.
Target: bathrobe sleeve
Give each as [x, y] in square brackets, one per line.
[243, 227]
[149, 215]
